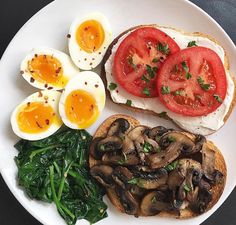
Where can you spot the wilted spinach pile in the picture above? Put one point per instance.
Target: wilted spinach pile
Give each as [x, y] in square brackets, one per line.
[55, 169]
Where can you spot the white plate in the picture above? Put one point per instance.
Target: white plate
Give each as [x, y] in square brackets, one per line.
[49, 28]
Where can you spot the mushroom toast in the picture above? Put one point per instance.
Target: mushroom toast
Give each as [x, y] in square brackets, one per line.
[149, 171]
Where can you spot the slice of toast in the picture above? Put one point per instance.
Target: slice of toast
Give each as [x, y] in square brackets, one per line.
[136, 109]
[216, 190]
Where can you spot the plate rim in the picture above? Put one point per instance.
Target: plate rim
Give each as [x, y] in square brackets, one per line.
[28, 22]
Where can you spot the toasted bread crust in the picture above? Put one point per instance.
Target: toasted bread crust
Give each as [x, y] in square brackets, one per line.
[185, 213]
[140, 110]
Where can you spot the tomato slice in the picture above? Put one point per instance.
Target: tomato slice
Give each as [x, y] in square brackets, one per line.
[192, 82]
[138, 59]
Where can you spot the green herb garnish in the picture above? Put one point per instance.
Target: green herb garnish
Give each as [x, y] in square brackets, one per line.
[202, 84]
[162, 114]
[171, 139]
[150, 71]
[131, 63]
[133, 181]
[178, 92]
[112, 86]
[155, 60]
[218, 98]
[172, 166]
[187, 188]
[191, 44]
[163, 48]
[128, 102]
[165, 90]
[144, 78]
[147, 147]
[186, 69]
[146, 91]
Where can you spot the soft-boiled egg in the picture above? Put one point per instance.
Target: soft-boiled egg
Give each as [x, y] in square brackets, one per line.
[47, 68]
[89, 38]
[82, 100]
[37, 117]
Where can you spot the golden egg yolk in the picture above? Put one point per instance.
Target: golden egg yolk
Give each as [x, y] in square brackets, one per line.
[47, 69]
[81, 108]
[35, 117]
[90, 35]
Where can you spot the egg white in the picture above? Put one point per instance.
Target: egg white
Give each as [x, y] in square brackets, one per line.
[69, 69]
[81, 58]
[52, 98]
[88, 81]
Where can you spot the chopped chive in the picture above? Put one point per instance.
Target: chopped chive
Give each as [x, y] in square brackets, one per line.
[155, 60]
[191, 44]
[128, 102]
[218, 98]
[186, 188]
[163, 48]
[165, 90]
[112, 86]
[147, 147]
[162, 114]
[133, 181]
[145, 78]
[146, 91]
[203, 85]
[188, 75]
[150, 71]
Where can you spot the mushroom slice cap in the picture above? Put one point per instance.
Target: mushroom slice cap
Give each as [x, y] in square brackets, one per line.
[118, 127]
[128, 201]
[110, 144]
[136, 132]
[93, 149]
[102, 173]
[153, 203]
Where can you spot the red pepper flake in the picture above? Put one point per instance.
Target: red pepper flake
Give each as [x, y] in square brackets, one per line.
[31, 71]
[21, 72]
[93, 58]
[58, 70]
[35, 55]
[50, 88]
[91, 107]
[32, 80]
[85, 83]
[40, 94]
[47, 121]
[39, 125]
[28, 104]
[99, 53]
[85, 59]
[45, 85]
[91, 64]
[45, 56]
[54, 114]
[68, 36]
[117, 91]
[46, 102]
[96, 85]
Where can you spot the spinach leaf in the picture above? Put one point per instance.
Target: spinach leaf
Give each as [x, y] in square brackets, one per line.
[56, 169]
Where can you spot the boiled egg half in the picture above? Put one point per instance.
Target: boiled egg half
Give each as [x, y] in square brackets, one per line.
[37, 117]
[82, 100]
[47, 68]
[89, 38]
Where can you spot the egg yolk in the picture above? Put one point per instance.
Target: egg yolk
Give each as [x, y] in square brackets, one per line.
[81, 108]
[90, 35]
[35, 117]
[47, 69]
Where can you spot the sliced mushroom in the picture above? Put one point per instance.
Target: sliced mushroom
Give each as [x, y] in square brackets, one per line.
[156, 132]
[175, 179]
[153, 203]
[128, 201]
[138, 131]
[118, 127]
[188, 168]
[204, 198]
[118, 159]
[102, 173]
[199, 142]
[174, 143]
[208, 162]
[121, 176]
[151, 142]
[110, 144]
[93, 150]
[128, 145]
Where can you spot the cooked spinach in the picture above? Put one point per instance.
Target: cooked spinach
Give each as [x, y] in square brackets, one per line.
[55, 169]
